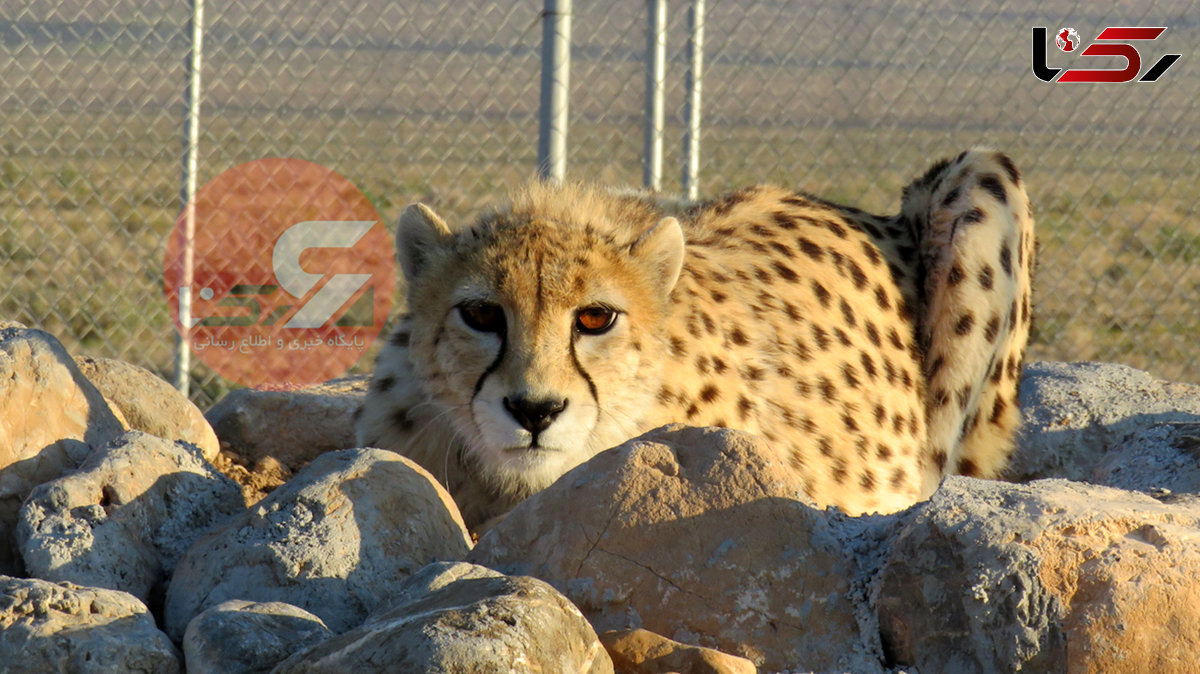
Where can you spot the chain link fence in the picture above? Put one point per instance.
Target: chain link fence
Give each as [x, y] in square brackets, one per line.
[438, 102]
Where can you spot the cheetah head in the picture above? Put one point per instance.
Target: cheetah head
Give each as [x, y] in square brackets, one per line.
[536, 332]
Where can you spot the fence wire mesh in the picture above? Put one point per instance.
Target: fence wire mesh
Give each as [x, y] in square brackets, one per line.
[437, 102]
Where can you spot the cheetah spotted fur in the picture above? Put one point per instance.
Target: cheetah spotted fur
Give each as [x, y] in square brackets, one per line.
[877, 354]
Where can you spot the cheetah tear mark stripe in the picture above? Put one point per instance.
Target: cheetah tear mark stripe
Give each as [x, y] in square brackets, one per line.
[491, 368]
[586, 377]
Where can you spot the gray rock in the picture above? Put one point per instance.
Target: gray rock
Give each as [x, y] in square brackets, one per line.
[696, 534]
[49, 627]
[461, 619]
[126, 516]
[51, 417]
[336, 540]
[1108, 424]
[150, 404]
[242, 637]
[1049, 576]
[292, 427]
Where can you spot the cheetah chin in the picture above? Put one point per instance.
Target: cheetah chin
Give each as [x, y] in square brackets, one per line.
[876, 353]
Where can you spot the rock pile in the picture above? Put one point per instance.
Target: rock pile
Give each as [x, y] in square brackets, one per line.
[122, 548]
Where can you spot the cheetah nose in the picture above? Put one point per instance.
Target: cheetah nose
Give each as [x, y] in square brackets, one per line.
[534, 416]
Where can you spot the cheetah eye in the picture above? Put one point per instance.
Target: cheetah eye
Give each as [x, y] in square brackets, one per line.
[595, 320]
[482, 316]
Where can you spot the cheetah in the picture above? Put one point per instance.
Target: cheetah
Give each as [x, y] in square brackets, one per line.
[878, 354]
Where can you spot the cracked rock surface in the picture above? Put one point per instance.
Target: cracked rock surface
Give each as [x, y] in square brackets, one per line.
[336, 540]
[694, 534]
[456, 618]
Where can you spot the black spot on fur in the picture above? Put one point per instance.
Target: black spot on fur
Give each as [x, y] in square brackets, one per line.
[738, 337]
[986, 274]
[1009, 167]
[709, 393]
[1006, 259]
[956, 275]
[963, 327]
[848, 314]
[785, 272]
[828, 391]
[811, 249]
[994, 187]
[384, 384]
[783, 220]
[822, 294]
[820, 337]
[998, 411]
[850, 375]
[873, 333]
[401, 419]
[967, 467]
[881, 298]
[992, 328]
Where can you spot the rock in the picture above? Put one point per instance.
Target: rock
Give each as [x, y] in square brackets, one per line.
[336, 540]
[695, 534]
[51, 417]
[1049, 576]
[1108, 424]
[49, 627]
[460, 618]
[126, 516]
[150, 404]
[242, 637]
[642, 652]
[293, 427]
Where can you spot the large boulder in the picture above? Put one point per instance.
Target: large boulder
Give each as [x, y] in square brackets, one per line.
[147, 403]
[336, 540]
[51, 417]
[290, 427]
[244, 637]
[61, 627]
[1108, 424]
[697, 534]
[455, 618]
[1049, 576]
[125, 517]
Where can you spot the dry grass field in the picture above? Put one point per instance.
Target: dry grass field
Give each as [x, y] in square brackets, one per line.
[438, 102]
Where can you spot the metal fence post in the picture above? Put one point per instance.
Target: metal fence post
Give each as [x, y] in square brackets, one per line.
[656, 59]
[555, 98]
[191, 146]
[691, 107]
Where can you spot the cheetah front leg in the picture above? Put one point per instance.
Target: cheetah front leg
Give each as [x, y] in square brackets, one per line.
[974, 226]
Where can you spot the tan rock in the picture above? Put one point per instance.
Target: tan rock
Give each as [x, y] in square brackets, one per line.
[61, 627]
[292, 427]
[640, 651]
[336, 540]
[1049, 576]
[455, 618]
[124, 518]
[694, 534]
[51, 417]
[150, 404]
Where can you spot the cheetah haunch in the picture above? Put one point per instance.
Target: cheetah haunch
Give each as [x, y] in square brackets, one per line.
[877, 353]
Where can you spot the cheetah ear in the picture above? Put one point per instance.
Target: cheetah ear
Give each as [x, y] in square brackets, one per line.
[419, 233]
[661, 249]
